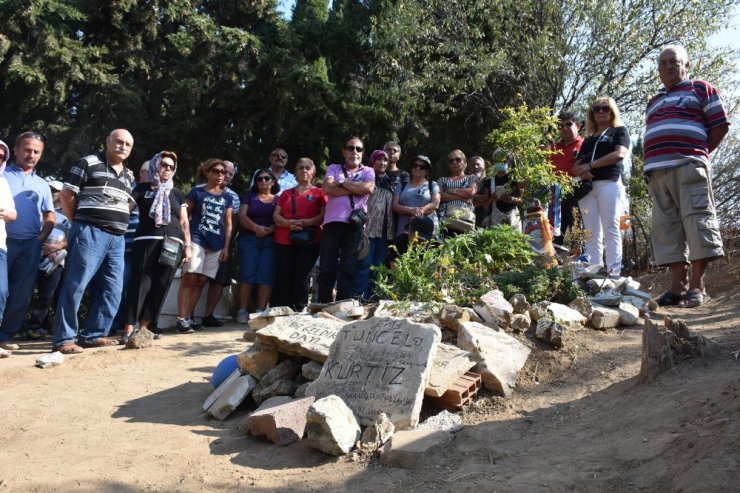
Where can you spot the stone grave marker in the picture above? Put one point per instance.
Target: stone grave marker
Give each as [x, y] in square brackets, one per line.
[380, 365]
[301, 335]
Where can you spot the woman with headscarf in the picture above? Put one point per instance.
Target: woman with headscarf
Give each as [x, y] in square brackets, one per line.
[600, 160]
[7, 214]
[380, 227]
[161, 242]
[298, 216]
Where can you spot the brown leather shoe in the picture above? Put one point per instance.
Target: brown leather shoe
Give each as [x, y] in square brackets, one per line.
[69, 348]
[99, 342]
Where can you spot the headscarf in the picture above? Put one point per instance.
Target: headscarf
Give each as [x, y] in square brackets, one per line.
[7, 156]
[384, 180]
[160, 210]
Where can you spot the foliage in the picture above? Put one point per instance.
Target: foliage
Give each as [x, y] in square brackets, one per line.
[520, 136]
[457, 271]
[554, 284]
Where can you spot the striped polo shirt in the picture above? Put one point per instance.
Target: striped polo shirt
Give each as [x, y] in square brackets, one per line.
[678, 124]
[102, 194]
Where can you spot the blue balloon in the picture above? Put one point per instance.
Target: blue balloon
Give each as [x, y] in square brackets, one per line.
[225, 368]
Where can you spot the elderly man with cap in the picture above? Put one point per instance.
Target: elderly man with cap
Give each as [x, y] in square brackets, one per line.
[51, 267]
[7, 214]
[96, 198]
[27, 233]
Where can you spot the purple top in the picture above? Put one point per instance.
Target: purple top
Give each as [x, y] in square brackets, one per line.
[258, 211]
[338, 209]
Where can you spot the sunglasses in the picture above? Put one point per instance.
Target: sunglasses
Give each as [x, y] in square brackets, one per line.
[353, 148]
[420, 165]
[263, 178]
[218, 171]
[601, 109]
[168, 166]
[455, 160]
[281, 155]
[565, 124]
[29, 135]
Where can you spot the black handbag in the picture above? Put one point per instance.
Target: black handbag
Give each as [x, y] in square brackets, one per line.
[171, 254]
[358, 217]
[304, 236]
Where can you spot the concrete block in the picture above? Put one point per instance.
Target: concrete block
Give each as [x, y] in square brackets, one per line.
[283, 423]
[232, 397]
[411, 449]
[219, 391]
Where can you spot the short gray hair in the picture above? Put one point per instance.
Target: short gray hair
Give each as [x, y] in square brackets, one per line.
[677, 49]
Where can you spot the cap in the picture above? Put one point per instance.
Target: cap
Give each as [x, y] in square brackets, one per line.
[422, 157]
[423, 226]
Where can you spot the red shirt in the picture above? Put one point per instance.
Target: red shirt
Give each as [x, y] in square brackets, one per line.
[307, 205]
[564, 162]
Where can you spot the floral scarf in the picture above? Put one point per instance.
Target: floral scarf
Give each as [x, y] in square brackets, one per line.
[160, 210]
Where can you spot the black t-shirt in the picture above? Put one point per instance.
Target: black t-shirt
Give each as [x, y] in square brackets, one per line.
[399, 174]
[511, 189]
[605, 144]
[144, 197]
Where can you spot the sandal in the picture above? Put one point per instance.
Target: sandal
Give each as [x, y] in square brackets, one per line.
[69, 348]
[669, 299]
[99, 342]
[692, 299]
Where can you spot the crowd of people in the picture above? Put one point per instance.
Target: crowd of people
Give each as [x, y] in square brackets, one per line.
[122, 240]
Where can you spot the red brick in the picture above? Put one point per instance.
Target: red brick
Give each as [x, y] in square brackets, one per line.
[281, 424]
[459, 394]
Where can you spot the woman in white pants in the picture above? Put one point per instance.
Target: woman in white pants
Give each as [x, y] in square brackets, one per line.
[600, 160]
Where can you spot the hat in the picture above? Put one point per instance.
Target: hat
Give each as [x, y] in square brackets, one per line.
[422, 157]
[423, 226]
[56, 185]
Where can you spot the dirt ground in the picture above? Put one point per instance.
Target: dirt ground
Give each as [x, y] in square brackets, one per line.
[113, 420]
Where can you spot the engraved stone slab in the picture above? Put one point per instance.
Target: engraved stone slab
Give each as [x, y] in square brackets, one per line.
[449, 363]
[301, 335]
[380, 365]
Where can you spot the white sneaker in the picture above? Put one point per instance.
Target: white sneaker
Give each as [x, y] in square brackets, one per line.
[242, 317]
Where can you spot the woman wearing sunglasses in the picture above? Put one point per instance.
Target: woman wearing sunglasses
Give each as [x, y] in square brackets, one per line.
[163, 218]
[348, 187]
[600, 160]
[210, 209]
[256, 245]
[418, 198]
[457, 192]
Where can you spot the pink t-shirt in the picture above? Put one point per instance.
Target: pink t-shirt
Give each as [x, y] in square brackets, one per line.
[338, 209]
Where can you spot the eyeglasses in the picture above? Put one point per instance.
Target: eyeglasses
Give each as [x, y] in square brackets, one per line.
[281, 155]
[455, 160]
[565, 124]
[420, 165]
[263, 178]
[167, 166]
[353, 148]
[601, 109]
[218, 171]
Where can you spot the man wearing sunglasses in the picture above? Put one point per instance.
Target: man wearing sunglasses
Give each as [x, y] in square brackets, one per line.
[278, 162]
[35, 220]
[686, 121]
[96, 198]
[569, 126]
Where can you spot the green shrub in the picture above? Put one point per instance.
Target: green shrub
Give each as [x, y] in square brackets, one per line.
[537, 284]
[458, 271]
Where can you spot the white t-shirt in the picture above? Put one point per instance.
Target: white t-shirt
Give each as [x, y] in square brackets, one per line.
[7, 203]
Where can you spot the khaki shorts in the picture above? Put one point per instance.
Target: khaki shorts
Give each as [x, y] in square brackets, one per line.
[685, 225]
[202, 261]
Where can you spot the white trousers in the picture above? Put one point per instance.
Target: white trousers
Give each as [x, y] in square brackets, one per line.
[601, 210]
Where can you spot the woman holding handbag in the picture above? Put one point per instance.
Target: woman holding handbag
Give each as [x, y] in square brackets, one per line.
[298, 216]
[256, 245]
[457, 192]
[161, 243]
[600, 160]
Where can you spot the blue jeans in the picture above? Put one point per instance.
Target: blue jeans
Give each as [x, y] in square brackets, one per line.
[364, 284]
[95, 258]
[256, 260]
[3, 281]
[23, 266]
